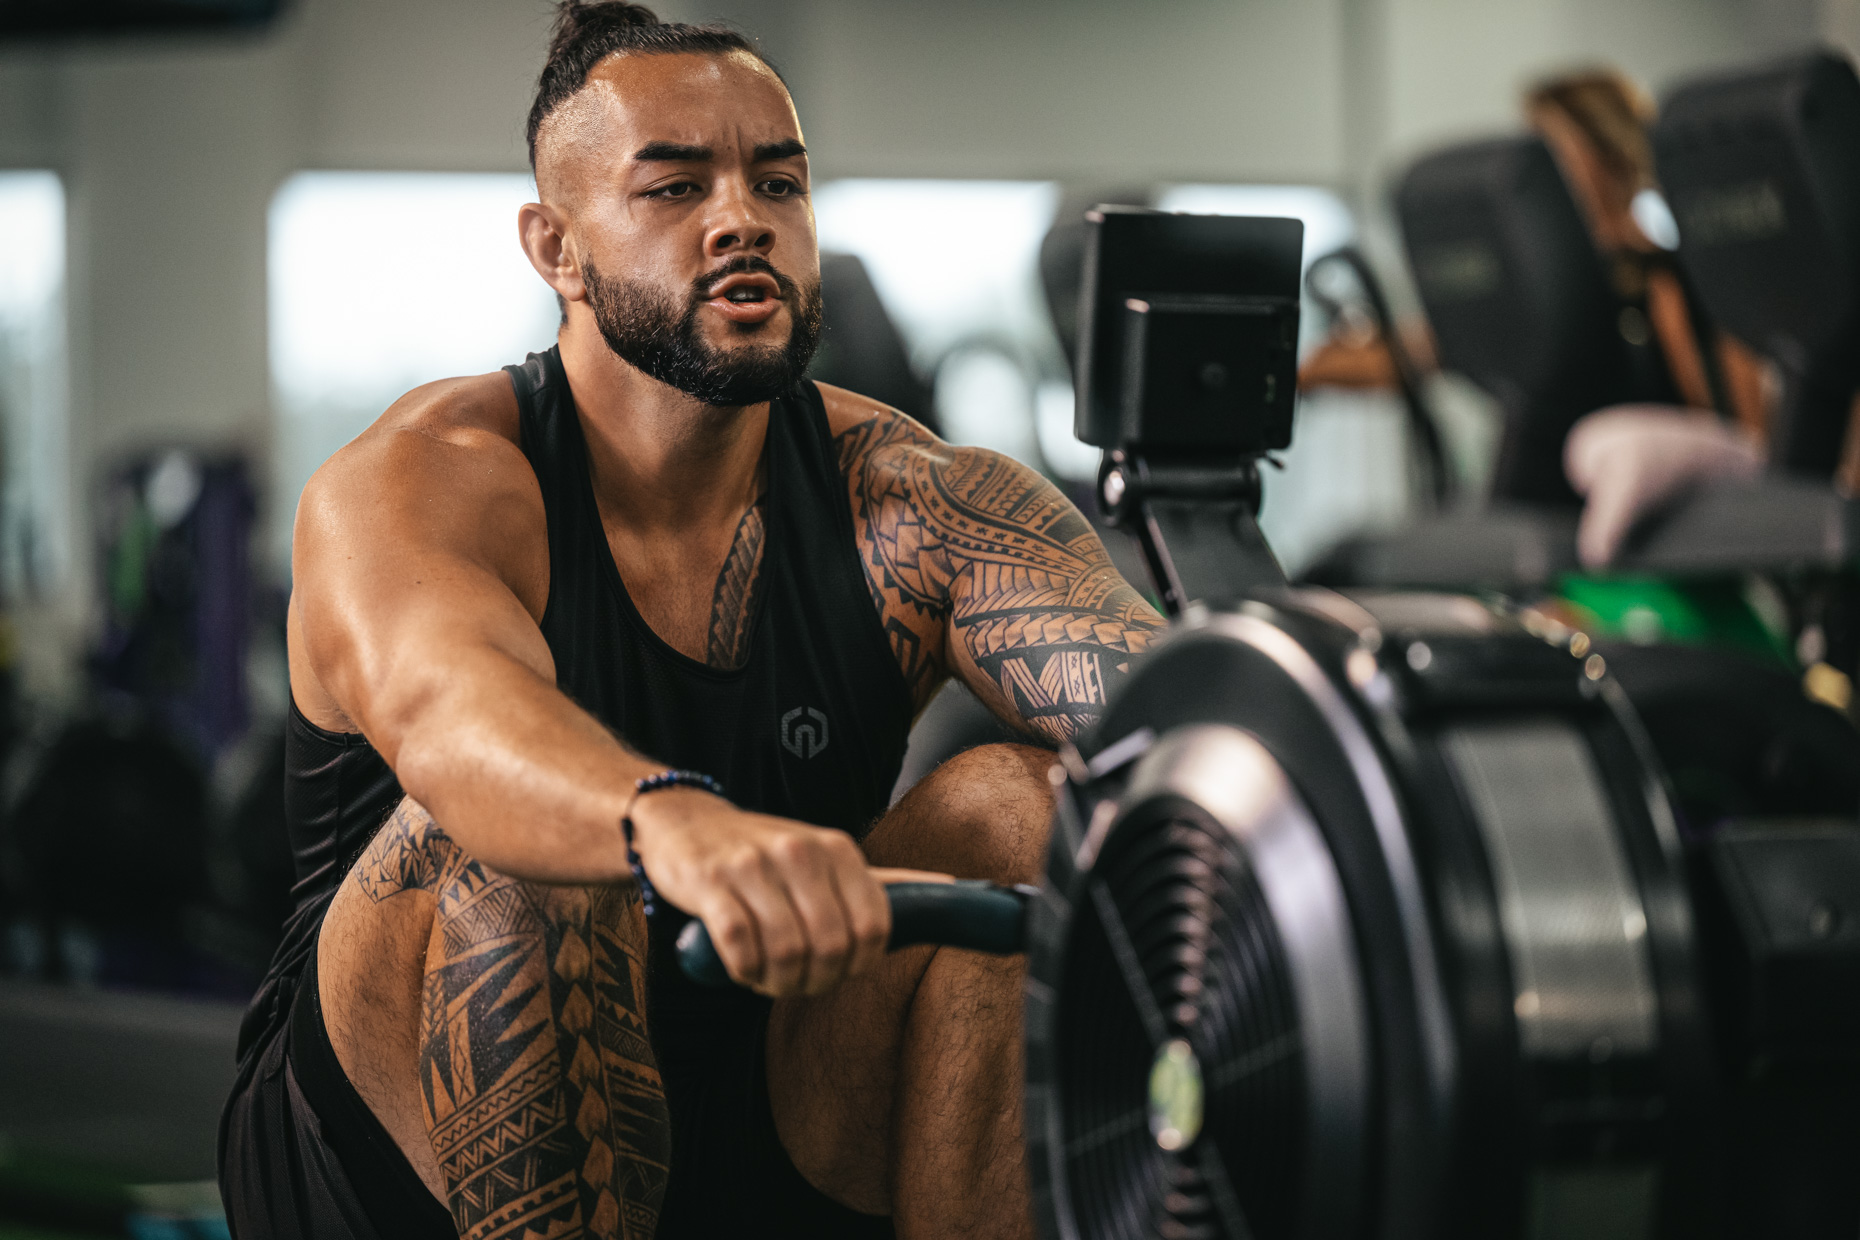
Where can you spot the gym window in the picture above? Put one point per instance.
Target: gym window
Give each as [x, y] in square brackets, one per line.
[381, 281]
[34, 523]
[956, 264]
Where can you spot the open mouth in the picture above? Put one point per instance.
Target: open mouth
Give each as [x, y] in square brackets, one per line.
[746, 299]
[748, 289]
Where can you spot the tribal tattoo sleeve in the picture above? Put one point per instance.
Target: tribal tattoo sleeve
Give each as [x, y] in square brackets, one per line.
[980, 568]
[541, 1094]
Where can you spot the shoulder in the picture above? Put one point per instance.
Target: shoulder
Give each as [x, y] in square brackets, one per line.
[453, 430]
[868, 432]
[879, 446]
[442, 469]
[962, 497]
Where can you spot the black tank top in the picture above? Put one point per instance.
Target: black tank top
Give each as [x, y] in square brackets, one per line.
[811, 727]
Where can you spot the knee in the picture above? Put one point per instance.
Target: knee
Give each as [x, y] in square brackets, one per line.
[476, 909]
[985, 813]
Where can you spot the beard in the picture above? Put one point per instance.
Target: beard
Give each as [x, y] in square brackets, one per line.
[647, 328]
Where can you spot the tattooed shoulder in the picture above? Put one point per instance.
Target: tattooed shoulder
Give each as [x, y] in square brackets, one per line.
[979, 566]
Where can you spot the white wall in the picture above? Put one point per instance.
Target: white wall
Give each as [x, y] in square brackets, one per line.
[1173, 89]
[171, 149]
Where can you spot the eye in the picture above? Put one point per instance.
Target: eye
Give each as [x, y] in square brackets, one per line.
[677, 189]
[781, 187]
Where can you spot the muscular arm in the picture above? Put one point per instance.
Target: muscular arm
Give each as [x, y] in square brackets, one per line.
[417, 589]
[983, 570]
[421, 567]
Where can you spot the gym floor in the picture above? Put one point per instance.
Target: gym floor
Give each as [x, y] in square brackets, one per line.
[109, 1104]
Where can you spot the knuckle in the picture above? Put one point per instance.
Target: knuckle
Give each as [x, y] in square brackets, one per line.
[871, 931]
[833, 945]
[739, 863]
[786, 952]
[793, 850]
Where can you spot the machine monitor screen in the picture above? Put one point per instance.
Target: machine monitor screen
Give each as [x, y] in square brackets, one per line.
[1188, 329]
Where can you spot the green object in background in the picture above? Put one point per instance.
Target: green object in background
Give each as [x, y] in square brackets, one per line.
[1707, 612]
[64, 1199]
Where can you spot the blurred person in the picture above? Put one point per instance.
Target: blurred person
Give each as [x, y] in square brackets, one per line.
[657, 539]
[1625, 460]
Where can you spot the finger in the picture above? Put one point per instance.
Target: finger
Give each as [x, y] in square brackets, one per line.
[892, 874]
[732, 930]
[868, 913]
[784, 941]
[807, 863]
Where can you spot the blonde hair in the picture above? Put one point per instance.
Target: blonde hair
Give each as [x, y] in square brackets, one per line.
[1611, 110]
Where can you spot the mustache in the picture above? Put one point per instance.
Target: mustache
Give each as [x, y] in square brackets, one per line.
[743, 264]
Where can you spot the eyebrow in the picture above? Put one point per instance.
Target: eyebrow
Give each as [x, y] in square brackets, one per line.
[691, 153]
[672, 152]
[787, 148]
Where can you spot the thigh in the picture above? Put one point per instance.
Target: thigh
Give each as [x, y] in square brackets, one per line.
[537, 1093]
[834, 1061]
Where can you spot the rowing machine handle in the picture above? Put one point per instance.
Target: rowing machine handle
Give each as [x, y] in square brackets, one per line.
[976, 915]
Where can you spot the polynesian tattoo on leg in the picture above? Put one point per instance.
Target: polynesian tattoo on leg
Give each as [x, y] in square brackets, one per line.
[734, 601]
[541, 1094]
[979, 566]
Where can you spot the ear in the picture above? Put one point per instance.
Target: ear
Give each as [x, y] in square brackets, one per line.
[543, 231]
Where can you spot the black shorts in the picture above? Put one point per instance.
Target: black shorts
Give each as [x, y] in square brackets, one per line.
[302, 1156]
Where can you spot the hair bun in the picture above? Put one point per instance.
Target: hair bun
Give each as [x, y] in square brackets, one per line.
[575, 17]
[612, 11]
[585, 31]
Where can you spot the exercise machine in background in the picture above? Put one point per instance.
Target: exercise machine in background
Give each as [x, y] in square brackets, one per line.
[1763, 171]
[1370, 913]
[1765, 166]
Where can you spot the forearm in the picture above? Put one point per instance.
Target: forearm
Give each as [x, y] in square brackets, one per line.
[522, 778]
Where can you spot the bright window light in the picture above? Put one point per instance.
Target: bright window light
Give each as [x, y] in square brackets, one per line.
[1347, 468]
[1328, 222]
[957, 265]
[381, 282]
[34, 516]
[952, 259]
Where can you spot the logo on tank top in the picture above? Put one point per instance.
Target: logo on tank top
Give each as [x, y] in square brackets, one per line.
[804, 731]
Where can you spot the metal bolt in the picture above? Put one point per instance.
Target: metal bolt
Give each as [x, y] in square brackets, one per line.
[1114, 488]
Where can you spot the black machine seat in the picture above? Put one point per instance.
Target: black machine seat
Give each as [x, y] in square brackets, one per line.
[1763, 172]
[1519, 300]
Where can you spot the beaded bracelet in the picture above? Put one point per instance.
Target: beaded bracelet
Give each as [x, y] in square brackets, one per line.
[649, 898]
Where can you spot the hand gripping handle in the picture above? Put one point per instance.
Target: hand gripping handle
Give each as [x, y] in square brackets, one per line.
[976, 915]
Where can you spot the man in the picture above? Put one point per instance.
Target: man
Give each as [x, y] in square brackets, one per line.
[520, 595]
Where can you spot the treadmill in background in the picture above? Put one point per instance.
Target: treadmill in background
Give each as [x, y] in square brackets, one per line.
[1763, 169]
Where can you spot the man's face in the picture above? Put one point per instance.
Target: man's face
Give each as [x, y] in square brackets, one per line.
[685, 185]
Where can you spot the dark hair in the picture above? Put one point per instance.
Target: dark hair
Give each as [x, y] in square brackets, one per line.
[587, 33]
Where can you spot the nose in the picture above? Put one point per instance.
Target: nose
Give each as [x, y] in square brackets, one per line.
[738, 224]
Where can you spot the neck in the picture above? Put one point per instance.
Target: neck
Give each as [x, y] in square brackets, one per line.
[660, 459]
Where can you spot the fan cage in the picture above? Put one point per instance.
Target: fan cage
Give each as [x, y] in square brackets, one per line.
[1173, 939]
